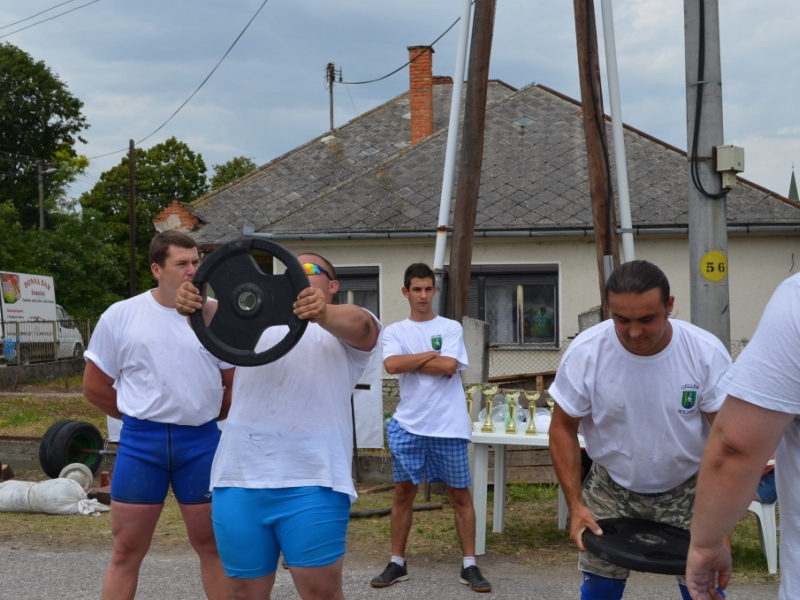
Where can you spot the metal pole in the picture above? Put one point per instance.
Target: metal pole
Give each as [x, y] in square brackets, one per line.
[132, 214]
[708, 240]
[40, 169]
[621, 165]
[450, 154]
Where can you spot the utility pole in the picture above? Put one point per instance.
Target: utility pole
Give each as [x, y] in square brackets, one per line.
[41, 173]
[708, 235]
[330, 78]
[602, 197]
[469, 170]
[132, 213]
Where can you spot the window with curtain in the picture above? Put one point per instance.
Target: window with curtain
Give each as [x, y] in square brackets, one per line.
[358, 285]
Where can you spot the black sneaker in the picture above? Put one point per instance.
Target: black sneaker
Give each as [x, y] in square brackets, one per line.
[391, 574]
[472, 577]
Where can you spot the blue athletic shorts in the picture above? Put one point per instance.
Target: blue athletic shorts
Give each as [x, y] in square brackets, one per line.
[253, 526]
[445, 459]
[152, 456]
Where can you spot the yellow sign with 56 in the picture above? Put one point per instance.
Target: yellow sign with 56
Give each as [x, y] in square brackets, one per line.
[714, 265]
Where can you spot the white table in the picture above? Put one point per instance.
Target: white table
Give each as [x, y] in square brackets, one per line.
[500, 440]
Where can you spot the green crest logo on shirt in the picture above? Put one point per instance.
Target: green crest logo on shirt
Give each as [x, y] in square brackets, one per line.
[688, 399]
[436, 342]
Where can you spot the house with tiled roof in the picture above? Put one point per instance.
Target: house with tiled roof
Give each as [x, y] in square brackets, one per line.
[367, 197]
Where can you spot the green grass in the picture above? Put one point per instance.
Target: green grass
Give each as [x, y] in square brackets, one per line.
[29, 412]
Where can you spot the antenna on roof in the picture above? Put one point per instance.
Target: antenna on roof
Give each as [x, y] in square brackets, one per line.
[331, 72]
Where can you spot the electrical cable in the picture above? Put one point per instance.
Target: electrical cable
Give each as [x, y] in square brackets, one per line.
[397, 70]
[238, 37]
[36, 15]
[701, 67]
[48, 19]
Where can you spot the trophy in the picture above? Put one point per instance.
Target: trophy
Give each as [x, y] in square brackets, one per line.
[470, 390]
[550, 403]
[531, 430]
[488, 425]
[511, 401]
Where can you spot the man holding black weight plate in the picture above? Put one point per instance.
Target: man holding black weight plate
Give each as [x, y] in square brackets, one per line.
[282, 474]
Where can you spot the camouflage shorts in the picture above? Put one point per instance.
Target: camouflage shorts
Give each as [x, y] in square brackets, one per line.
[606, 500]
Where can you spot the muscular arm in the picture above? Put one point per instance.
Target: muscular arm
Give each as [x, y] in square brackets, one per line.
[565, 452]
[743, 438]
[227, 386]
[98, 390]
[350, 323]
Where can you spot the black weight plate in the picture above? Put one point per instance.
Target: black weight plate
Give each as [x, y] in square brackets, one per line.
[250, 301]
[640, 545]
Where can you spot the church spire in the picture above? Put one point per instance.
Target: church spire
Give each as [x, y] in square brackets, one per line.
[793, 188]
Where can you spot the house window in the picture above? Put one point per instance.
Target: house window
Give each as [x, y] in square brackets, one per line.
[520, 303]
[358, 285]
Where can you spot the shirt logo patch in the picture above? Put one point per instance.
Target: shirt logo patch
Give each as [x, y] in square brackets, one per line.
[436, 342]
[688, 399]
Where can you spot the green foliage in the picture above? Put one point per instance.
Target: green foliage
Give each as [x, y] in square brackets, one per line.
[166, 172]
[38, 119]
[237, 167]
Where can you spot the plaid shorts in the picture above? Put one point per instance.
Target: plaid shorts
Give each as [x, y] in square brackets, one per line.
[444, 459]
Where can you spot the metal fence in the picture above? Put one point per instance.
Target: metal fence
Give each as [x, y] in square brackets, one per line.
[53, 390]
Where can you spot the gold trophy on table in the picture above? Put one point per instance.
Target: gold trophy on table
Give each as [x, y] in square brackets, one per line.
[488, 424]
[469, 390]
[532, 398]
[511, 402]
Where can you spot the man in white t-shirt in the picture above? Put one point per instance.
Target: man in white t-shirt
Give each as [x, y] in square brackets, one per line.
[145, 366]
[760, 414]
[282, 477]
[431, 429]
[641, 389]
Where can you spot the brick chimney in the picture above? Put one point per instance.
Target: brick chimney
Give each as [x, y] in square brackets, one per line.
[421, 92]
[175, 216]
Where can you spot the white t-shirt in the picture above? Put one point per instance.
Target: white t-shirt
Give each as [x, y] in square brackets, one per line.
[767, 374]
[290, 423]
[161, 370]
[641, 416]
[431, 405]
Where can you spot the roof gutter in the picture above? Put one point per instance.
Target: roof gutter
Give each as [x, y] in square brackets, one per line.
[584, 232]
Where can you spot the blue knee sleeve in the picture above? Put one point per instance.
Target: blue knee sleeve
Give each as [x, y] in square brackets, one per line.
[601, 588]
[685, 592]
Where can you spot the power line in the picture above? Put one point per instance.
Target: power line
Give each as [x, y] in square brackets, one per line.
[398, 69]
[48, 19]
[36, 15]
[196, 90]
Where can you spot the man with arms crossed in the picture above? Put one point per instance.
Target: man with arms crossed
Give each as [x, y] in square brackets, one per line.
[641, 388]
[759, 415]
[431, 428]
[169, 393]
[282, 475]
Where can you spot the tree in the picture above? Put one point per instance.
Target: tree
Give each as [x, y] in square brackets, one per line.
[166, 172]
[38, 118]
[237, 167]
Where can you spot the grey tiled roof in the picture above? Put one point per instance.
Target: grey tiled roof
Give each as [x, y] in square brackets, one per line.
[533, 178]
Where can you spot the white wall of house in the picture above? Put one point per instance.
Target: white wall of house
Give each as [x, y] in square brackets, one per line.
[757, 264]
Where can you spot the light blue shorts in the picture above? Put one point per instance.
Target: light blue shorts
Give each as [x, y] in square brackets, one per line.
[152, 456]
[253, 526]
[445, 459]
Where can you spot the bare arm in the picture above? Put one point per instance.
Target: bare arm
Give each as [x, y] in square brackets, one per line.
[743, 438]
[565, 452]
[430, 363]
[350, 323]
[189, 300]
[227, 386]
[98, 389]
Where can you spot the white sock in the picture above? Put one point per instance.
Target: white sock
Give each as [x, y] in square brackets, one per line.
[469, 561]
[399, 560]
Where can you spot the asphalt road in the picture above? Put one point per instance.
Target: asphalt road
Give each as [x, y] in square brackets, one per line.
[36, 575]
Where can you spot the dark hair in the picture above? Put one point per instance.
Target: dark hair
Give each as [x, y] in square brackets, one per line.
[637, 277]
[418, 271]
[325, 263]
[159, 245]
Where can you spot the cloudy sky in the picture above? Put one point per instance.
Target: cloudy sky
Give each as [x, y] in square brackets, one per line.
[134, 63]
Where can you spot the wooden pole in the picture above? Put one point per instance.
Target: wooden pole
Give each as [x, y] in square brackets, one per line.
[469, 171]
[132, 212]
[602, 198]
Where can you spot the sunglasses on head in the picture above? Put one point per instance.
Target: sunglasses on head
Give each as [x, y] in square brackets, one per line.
[314, 269]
